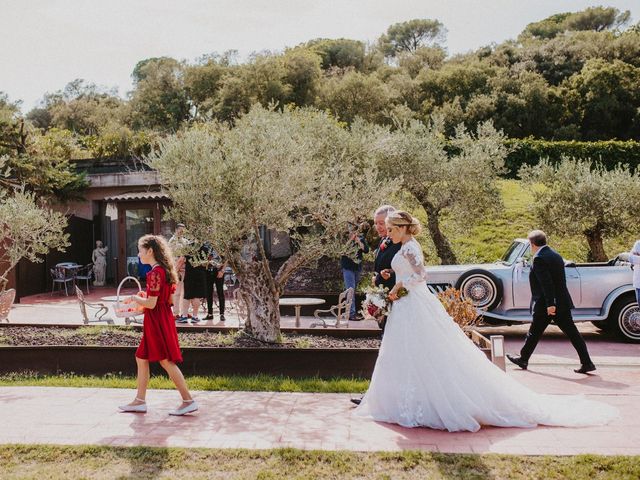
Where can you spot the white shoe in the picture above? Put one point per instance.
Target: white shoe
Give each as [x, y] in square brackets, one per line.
[141, 408]
[192, 406]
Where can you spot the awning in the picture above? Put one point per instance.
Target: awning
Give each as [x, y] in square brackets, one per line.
[136, 196]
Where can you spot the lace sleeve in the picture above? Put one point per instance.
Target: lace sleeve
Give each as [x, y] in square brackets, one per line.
[413, 253]
[155, 280]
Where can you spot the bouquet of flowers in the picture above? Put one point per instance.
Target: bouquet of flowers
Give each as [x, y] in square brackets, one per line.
[377, 303]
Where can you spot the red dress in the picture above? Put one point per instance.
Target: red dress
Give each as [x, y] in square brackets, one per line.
[159, 333]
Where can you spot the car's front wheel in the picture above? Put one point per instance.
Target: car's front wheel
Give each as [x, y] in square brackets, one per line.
[483, 288]
[624, 318]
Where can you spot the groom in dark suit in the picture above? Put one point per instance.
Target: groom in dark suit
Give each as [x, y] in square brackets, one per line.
[551, 302]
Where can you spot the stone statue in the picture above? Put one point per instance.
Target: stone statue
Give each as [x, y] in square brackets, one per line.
[99, 258]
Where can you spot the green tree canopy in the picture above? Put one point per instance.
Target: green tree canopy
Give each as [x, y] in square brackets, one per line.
[411, 35]
[594, 18]
[579, 197]
[159, 99]
[297, 171]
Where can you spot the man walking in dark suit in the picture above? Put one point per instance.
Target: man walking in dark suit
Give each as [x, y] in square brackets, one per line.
[550, 301]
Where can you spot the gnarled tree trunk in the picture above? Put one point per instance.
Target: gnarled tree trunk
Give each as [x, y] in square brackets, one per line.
[441, 242]
[262, 302]
[596, 246]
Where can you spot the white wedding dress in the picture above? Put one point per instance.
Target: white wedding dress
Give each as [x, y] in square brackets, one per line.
[429, 373]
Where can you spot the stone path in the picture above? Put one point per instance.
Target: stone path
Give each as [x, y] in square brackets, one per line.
[309, 421]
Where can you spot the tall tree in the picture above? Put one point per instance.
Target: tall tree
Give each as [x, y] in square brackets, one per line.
[411, 35]
[455, 178]
[339, 53]
[580, 197]
[296, 171]
[356, 95]
[159, 99]
[596, 19]
[27, 230]
[604, 100]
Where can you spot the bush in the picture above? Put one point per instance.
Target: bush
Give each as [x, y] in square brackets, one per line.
[461, 310]
[530, 151]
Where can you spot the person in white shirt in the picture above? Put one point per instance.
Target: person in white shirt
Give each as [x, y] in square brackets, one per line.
[634, 258]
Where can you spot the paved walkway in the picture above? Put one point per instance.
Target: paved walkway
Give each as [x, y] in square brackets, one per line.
[309, 421]
[44, 308]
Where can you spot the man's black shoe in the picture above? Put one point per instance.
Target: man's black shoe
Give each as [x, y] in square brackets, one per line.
[356, 401]
[585, 368]
[518, 361]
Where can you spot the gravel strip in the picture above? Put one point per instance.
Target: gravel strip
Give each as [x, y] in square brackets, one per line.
[127, 337]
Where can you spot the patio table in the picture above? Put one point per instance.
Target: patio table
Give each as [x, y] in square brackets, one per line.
[298, 302]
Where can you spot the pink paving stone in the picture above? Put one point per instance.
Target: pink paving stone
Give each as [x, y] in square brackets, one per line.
[275, 420]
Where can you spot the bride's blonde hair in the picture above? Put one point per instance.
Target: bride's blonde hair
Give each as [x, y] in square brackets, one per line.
[400, 218]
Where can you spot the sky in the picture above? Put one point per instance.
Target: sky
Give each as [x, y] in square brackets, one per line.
[44, 44]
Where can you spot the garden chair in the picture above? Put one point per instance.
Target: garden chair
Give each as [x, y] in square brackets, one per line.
[6, 300]
[61, 275]
[101, 308]
[85, 273]
[340, 312]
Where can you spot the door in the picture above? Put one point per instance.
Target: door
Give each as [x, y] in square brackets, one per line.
[522, 290]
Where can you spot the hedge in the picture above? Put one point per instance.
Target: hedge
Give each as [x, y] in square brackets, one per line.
[609, 152]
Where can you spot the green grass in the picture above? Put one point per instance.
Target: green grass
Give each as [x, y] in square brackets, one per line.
[487, 241]
[53, 462]
[254, 383]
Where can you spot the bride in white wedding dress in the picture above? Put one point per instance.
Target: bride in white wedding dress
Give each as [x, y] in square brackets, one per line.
[429, 373]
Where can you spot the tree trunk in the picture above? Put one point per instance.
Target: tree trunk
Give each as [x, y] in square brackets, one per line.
[443, 247]
[263, 309]
[596, 247]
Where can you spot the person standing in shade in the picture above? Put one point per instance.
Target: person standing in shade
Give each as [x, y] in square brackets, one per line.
[551, 302]
[215, 277]
[159, 342]
[352, 264]
[195, 285]
[178, 242]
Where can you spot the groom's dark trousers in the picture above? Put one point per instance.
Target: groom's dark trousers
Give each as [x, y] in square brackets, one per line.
[549, 288]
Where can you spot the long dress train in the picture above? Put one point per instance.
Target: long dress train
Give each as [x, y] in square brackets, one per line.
[429, 373]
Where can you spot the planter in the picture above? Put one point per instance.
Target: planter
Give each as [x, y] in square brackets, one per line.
[292, 362]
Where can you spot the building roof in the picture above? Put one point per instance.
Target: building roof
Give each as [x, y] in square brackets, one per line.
[99, 166]
[136, 196]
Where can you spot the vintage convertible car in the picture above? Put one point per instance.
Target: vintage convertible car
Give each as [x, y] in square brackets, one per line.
[602, 292]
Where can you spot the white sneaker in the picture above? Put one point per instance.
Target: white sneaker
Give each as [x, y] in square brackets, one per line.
[192, 406]
[141, 408]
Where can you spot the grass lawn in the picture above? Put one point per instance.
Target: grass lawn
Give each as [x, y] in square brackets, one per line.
[52, 462]
[254, 383]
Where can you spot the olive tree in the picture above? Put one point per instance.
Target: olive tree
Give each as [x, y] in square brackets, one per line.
[297, 171]
[27, 229]
[456, 177]
[580, 197]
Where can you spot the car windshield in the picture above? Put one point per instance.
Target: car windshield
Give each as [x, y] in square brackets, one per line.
[511, 255]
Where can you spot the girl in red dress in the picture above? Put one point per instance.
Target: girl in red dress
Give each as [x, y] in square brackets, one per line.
[159, 341]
